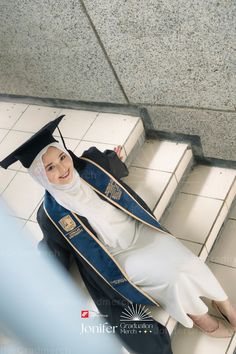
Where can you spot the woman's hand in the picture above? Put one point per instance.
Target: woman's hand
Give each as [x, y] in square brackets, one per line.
[118, 151]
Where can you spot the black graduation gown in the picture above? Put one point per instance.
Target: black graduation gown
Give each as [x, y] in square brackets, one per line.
[106, 299]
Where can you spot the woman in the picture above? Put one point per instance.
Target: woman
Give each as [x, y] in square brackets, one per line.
[177, 296]
[106, 283]
[156, 264]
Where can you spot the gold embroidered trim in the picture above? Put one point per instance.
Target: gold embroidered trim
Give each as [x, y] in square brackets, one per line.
[156, 303]
[112, 201]
[114, 260]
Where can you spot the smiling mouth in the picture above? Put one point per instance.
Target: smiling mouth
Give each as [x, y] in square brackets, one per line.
[65, 175]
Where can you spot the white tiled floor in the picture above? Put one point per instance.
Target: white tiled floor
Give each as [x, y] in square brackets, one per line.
[227, 277]
[231, 195]
[198, 212]
[3, 132]
[35, 117]
[224, 251]
[71, 144]
[186, 341]
[160, 155]
[232, 214]
[5, 178]
[203, 193]
[111, 131]
[208, 181]
[76, 124]
[10, 113]
[165, 197]
[216, 227]
[34, 214]
[149, 184]
[23, 195]
[130, 142]
[191, 217]
[183, 163]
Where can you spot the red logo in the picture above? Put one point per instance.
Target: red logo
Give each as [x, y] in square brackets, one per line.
[85, 313]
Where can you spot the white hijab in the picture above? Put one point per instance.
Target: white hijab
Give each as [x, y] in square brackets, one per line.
[114, 227]
[67, 195]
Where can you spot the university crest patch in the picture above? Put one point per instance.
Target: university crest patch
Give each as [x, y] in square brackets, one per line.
[67, 223]
[113, 191]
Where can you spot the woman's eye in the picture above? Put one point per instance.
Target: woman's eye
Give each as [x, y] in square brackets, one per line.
[50, 168]
[63, 157]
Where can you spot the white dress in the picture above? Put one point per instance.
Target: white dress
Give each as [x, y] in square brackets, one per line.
[170, 273]
[155, 261]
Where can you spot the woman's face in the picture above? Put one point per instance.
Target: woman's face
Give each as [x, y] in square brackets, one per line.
[58, 166]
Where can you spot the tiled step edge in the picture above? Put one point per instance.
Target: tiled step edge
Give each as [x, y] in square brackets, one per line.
[181, 171]
[215, 230]
[134, 143]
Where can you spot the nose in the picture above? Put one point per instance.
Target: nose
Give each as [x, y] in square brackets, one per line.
[61, 169]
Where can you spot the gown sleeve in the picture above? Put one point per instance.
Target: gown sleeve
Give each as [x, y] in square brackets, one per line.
[108, 160]
[118, 168]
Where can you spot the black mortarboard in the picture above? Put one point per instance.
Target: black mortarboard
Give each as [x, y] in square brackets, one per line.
[30, 149]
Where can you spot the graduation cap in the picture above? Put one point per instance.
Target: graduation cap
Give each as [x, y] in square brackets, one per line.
[30, 149]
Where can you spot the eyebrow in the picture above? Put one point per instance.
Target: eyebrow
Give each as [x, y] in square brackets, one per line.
[62, 153]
